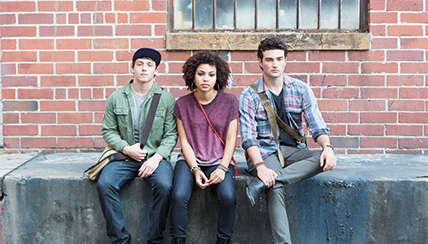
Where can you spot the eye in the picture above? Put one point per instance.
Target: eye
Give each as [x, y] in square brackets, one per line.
[200, 74]
[212, 75]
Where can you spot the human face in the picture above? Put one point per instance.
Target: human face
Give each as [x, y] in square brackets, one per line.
[273, 63]
[144, 70]
[205, 77]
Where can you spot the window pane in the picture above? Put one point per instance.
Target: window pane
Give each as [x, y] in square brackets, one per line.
[183, 14]
[350, 14]
[266, 14]
[203, 14]
[287, 15]
[308, 16]
[245, 17]
[329, 14]
[224, 14]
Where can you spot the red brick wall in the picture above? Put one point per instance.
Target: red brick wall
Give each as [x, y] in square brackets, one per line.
[61, 60]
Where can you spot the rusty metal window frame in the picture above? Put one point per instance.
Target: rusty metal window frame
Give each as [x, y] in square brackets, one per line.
[363, 20]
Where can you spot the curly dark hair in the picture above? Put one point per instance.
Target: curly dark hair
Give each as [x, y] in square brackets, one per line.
[205, 57]
[271, 43]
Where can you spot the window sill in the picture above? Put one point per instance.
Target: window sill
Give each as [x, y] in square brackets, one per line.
[248, 41]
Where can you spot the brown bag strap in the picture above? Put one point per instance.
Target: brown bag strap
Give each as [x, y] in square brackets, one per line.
[149, 121]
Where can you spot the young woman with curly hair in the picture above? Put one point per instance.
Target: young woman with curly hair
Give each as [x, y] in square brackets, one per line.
[203, 160]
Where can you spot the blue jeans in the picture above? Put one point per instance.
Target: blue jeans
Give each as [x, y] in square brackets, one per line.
[117, 174]
[184, 183]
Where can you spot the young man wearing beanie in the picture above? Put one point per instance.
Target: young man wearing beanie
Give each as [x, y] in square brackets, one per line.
[124, 120]
[274, 156]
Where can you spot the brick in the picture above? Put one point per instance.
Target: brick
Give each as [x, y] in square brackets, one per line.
[243, 56]
[93, 6]
[96, 80]
[18, 31]
[399, 55]
[122, 18]
[11, 142]
[147, 17]
[35, 68]
[366, 80]
[302, 67]
[364, 151]
[85, 18]
[383, 17]
[19, 56]
[6, 44]
[401, 151]
[405, 80]
[367, 105]
[160, 30]
[131, 5]
[421, 18]
[175, 67]
[39, 44]
[133, 30]
[61, 94]
[75, 142]
[159, 5]
[110, 18]
[73, 68]
[236, 67]
[9, 94]
[371, 93]
[340, 92]
[377, 30]
[11, 118]
[57, 105]
[57, 56]
[404, 130]
[57, 80]
[73, 18]
[110, 68]
[33, 142]
[167, 80]
[405, 30]
[7, 19]
[236, 91]
[20, 106]
[74, 44]
[377, 5]
[379, 68]
[413, 118]
[344, 142]
[90, 130]
[414, 43]
[38, 118]
[18, 6]
[347, 67]
[92, 56]
[93, 105]
[252, 67]
[244, 80]
[405, 5]
[86, 93]
[127, 56]
[337, 130]
[340, 117]
[58, 130]
[412, 92]
[175, 55]
[98, 93]
[94, 30]
[366, 130]
[73, 93]
[20, 130]
[35, 93]
[378, 142]
[75, 118]
[332, 105]
[366, 55]
[111, 43]
[383, 117]
[98, 117]
[415, 68]
[384, 43]
[98, 18]
[57, 6]
[157, 43]
[35, 19]
[416, 142]
[406, 105]
[56, 30]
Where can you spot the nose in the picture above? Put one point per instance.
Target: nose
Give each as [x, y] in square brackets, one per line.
[205, 78]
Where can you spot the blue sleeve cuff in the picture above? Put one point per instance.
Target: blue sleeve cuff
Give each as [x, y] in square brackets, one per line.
[324, 131]
[249, 143]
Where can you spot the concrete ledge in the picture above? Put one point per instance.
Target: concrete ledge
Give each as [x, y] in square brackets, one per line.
[366, 199]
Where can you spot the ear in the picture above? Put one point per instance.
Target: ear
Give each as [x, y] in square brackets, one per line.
[132, 68]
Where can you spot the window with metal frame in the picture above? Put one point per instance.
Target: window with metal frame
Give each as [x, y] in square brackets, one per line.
[269, 15]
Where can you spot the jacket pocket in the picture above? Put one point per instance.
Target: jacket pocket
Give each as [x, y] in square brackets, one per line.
[159, 119]
[122, 115]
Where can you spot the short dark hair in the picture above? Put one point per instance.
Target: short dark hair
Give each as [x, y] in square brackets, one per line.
[271, 43]
[206, 57]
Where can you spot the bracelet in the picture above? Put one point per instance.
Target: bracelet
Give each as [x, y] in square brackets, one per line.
[258, 164]
[194, 169]
[222, 167]
[330, 146]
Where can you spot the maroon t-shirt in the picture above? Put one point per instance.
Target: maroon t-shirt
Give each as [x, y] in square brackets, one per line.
[205, 143]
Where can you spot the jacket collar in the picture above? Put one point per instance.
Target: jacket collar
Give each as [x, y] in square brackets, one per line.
[155, 89]
[261, 85]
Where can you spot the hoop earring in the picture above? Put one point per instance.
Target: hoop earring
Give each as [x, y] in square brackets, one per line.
[218, 86]
[193, 86]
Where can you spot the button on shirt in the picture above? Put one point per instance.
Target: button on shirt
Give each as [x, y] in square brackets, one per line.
[254, 122]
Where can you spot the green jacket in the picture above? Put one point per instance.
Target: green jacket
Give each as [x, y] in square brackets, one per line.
[118, 130]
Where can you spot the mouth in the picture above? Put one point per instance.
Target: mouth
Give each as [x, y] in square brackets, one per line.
[205, 85]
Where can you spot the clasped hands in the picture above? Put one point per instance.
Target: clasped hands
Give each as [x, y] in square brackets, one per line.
[216, 177]
[138, 154]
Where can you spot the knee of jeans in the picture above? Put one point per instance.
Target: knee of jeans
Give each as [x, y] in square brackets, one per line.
[228, 199]
[103, 186]
[163, 188]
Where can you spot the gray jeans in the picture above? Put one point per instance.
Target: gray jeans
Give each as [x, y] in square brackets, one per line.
[300, 164]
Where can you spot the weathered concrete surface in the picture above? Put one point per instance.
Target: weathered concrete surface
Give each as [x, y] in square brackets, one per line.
[366, 199]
